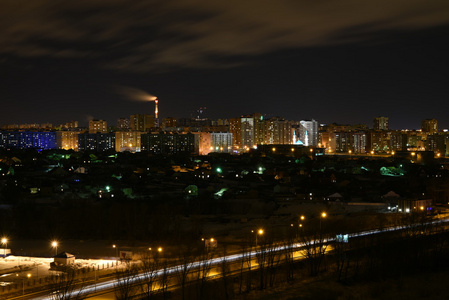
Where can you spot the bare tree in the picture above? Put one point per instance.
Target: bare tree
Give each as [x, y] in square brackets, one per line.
[125, 287]
[273, 259]
[225, 270]
[203, 271]
[245, 266]
[184, 267]
[149, 266]
[261, 259]
[164, 279]
[315, 245]
[341, 258]
[68, 285]
[289, 259]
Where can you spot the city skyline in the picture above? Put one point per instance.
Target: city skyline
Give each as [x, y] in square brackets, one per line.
[343, 63]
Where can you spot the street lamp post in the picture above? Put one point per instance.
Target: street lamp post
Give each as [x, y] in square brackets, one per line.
[5, 244]
[116, 250]
[54, 244]
[23, 283]
[322, 216]
[259, 232]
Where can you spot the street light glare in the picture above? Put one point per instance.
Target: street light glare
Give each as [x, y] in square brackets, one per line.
[323, 215]
[260, 231]
[4, 240]
[54, 244]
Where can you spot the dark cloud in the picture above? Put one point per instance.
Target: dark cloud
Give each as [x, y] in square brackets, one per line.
[158, 35]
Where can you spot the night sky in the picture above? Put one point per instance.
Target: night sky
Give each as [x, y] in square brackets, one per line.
[343, 61]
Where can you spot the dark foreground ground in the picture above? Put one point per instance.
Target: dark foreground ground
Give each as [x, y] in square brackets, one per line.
[423, 286]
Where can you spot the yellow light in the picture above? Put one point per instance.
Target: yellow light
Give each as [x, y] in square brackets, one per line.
[113, 246]
[28, 275]
[300, 225]
[274, 149]
[372, 152]
[293, 149]
[311, 150]
[413, 153]
[211, 239]
[260, 231]
[149, 248]
[422, 207]
[350, 151]
[302, 217]
[54, 244]
[159, 249]
[323, 215]
[4, 240]
[392, 152]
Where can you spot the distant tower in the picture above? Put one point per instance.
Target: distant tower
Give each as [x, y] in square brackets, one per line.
[429, 125]
[156, 113]
[380, 123]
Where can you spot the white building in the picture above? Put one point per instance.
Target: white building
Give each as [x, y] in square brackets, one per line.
[308, 132]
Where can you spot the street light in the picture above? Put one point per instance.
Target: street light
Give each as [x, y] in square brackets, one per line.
[5, 243]
[116, 250]
[23, 283]
[322, 216]
[54, 244]
[259, 232]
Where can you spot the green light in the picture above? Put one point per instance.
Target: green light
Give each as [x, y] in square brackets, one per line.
[219, 170]
[108, 188]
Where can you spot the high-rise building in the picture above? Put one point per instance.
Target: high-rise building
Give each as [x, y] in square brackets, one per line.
[44, 140]
[96, 141]
[214, 142]
[141, 122]
[128, 141]
[436, 143]
[378, 141]
[380, 123]
[67, 140]
[98, 126]
[69, 125]
[429, 125]
[123, 123]
[247, 131]
[235, 129]
[276, 131]
[169, 122]
[170, 143]
[308, 132]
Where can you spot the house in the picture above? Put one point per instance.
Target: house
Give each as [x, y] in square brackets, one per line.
[64, 259]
